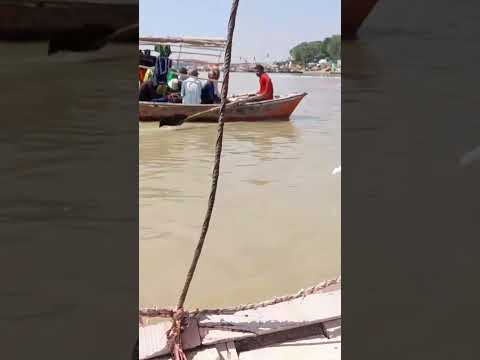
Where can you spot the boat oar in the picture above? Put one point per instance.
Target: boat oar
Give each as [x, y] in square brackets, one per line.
[177, 122]
[234, 103]
[243, 95]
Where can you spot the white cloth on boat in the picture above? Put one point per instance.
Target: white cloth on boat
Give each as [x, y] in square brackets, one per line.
[192, 91]
[174, 84]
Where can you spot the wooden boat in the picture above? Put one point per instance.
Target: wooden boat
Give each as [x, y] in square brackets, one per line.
[279, 108]
[31, 20]
[354, 12]
[303, 326]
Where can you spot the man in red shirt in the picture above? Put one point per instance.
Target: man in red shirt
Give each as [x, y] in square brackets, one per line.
[266, 86]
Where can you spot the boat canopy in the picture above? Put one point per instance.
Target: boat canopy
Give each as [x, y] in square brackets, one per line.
[209, 43]
[204, 49]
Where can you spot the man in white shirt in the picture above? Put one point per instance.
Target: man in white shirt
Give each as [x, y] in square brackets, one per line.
[192, 89]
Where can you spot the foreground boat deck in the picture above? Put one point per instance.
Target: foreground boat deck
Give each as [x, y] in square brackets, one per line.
[304, 328]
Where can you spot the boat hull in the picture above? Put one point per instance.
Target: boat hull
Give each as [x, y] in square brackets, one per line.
[277, 109]
[354, 12]
[275, 329]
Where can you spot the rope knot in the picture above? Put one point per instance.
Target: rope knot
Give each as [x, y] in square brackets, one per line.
[174, 334]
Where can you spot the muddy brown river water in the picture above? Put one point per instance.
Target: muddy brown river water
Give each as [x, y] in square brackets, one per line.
[276, 222]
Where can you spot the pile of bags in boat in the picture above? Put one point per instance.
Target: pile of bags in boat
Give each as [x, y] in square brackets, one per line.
[164, 88]
[159, 82]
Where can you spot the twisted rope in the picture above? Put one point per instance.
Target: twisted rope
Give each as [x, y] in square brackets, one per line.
[174, 334]
[218, 153]
[168, 313]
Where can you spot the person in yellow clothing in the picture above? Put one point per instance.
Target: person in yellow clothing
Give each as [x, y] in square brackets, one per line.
[148, 75]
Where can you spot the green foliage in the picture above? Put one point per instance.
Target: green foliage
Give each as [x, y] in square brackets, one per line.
[307, 52]
[334, 47]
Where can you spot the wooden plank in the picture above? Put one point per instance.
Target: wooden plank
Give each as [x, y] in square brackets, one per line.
[267, 340]
[153, 339]
[314, 348]
[211, 336]
[313, 309]
[205, 354]
[227, 351]
[333, 329]
[232, 350]
[191, 337]
[208, 353]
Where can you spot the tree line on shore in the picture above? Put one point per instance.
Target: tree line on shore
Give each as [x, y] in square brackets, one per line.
[314, 51]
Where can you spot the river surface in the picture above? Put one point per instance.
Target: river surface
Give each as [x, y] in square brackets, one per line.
[276, 223]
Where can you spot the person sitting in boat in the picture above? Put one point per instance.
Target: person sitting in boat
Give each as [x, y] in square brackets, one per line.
[192, 89]
[148, 91]
[266, 85]
[148, 75]
[216, 75]
[182, 75]
[174, 90]
[174, 85]
[209, 95]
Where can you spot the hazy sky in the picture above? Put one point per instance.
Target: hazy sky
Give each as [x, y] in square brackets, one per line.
[263, 26]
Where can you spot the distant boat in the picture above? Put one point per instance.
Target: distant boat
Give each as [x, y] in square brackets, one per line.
[354, 12]
[279, 108]
[287, 71]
